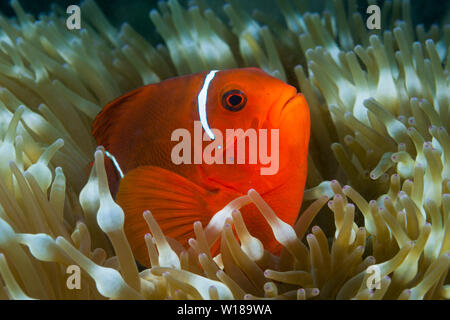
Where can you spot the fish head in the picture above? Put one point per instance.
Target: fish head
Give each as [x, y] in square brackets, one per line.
[249, 101]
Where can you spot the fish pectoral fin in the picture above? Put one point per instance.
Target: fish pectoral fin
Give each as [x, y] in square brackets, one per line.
[175, 202]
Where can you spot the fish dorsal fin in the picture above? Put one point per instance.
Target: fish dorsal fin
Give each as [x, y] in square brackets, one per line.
[175, 202]
[153, 102]
[109, 118]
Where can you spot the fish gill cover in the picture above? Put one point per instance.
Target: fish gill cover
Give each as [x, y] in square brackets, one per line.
[379, 103]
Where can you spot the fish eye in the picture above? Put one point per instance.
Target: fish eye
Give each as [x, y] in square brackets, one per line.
[234, 100]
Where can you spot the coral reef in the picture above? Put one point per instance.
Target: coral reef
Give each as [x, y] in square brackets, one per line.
[379, 103]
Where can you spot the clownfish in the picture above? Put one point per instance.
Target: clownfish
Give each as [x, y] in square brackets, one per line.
[137, 130]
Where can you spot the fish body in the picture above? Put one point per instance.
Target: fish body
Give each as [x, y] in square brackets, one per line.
[139, 129]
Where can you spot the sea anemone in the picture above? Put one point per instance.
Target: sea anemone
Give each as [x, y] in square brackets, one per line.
[379, 102]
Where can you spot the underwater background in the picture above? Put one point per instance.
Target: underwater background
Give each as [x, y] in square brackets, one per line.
[422, 11]
[378, 188]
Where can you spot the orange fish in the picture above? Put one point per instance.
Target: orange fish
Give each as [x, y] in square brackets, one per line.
[154, 166]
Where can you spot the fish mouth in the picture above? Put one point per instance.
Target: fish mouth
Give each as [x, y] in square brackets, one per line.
[288, 102]
[279, 110]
